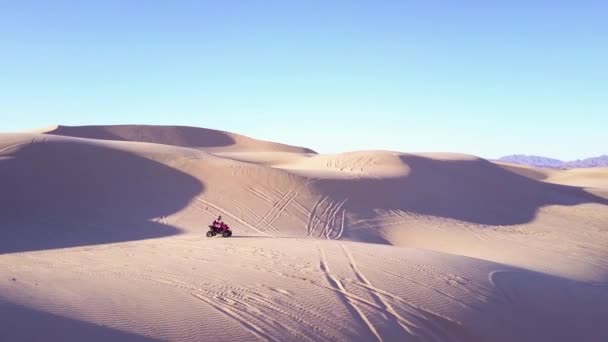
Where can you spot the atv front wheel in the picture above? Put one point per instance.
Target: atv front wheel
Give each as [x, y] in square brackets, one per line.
[210, 234]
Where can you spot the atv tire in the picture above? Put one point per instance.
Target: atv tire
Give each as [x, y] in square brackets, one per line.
[210, 234]
[227, 233]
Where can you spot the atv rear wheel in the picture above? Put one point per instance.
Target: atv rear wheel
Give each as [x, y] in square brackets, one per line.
[227, 233]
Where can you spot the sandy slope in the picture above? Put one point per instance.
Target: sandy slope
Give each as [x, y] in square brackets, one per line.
[593, 180]
[596, 177]
[589, 178]
[184, 136]
[102, 239]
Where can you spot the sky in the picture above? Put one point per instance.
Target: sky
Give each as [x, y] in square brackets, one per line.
[488, 78]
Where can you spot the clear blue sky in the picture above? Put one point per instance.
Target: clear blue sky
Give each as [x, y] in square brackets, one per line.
[475, 77]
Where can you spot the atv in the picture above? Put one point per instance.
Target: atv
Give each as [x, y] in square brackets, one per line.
[214, 230]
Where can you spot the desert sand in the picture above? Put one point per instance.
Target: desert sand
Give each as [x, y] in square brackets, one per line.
[102, 238]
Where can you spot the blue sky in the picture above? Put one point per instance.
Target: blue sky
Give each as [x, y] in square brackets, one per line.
[474, 77]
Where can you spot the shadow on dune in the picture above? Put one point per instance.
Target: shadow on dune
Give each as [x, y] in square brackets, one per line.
[544, 307]
[169, 135]
[20, 323]
[475, 191]
[66, 194]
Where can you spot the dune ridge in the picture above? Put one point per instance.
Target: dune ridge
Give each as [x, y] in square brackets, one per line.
[184, 136]
[102, 233]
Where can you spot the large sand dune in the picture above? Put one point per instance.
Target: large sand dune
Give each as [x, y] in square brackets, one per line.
[102, 239]
[194, 137]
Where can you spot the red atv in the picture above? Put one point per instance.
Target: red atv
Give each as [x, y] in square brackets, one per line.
[222, 229]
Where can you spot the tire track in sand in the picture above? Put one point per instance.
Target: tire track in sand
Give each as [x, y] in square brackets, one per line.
[337, 285]
[226, 212]
[312, 215]
[326, 213]
[252, 328]
[279, 206]
[260, 194]
[263, 315]
[326, 216]
[329, 225]
[398, 319]
[427, 325]
[342, 224]
[248, 306]
[246, 212]
[279, 210]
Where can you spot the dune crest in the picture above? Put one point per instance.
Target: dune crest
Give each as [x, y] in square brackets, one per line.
[183, 136]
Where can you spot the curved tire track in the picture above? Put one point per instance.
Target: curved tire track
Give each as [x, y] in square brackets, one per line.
[337, 285]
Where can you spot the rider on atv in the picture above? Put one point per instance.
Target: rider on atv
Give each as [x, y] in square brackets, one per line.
[219, 227]
[218, 222]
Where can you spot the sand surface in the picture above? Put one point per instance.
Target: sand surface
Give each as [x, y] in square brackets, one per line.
[102, 238]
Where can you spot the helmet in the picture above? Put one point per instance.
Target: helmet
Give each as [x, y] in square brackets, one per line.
[219, 217]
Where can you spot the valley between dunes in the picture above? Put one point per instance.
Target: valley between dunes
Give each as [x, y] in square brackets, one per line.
[102, 238]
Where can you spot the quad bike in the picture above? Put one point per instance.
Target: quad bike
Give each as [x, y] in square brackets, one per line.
[214, 230]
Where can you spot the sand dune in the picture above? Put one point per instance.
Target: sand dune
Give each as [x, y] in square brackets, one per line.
[102, 238]
[527, 171]
[588, 178]
[184, 136]
[585, 178]
[93, 188]
[593, 180]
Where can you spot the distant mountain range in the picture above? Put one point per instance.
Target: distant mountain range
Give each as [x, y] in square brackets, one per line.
[537, 161]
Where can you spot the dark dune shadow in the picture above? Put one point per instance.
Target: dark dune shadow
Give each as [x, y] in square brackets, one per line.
[66, 194]
[549, 308]
[20, 324]
[183, 136]
[508, 303]
[475, 191]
